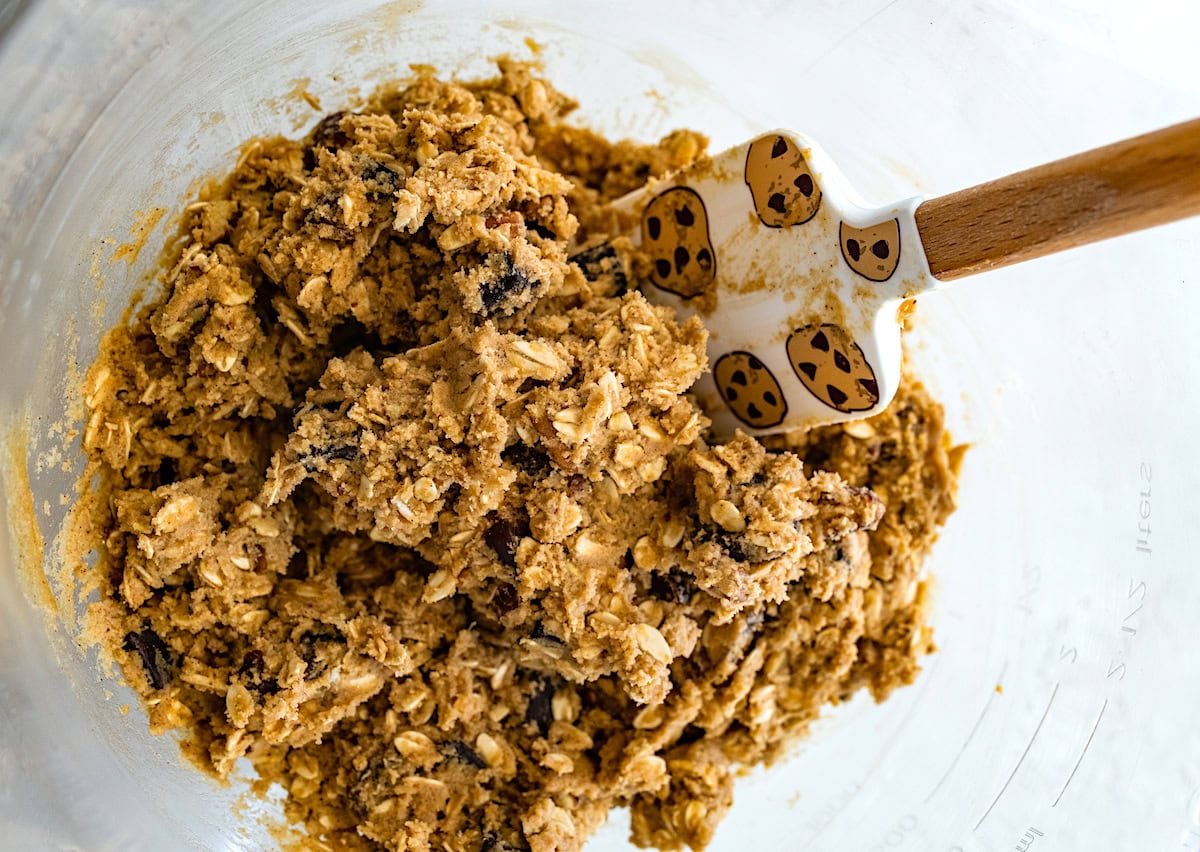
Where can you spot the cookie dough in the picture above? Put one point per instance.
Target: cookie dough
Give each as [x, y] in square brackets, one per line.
[415, 512]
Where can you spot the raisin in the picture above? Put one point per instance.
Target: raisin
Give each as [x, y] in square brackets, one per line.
[503, 537]
[539, 633]
[505, 599]
[251, 671]
[532, 460]
[540, 709]
[314, 667]
[328, 133]
[730, 543]
[600, 264]
[676, 586]
[492, 843]
[463, 753]
[383, 180]
[311, 458]
[578, 486]
[156, 659]
[507, 284]
[252, 665]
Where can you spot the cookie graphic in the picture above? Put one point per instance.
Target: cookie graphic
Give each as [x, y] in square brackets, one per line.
[675, 235]
[750, 390]
[781, 183]
[874, 251]
[832, 367]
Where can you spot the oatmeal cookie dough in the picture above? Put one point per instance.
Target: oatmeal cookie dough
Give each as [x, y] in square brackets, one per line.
[411, 507]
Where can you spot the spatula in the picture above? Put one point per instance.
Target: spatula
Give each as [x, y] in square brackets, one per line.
[803, 285]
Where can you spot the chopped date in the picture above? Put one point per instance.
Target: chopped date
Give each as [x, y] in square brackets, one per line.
[463, 753]
[152, 650]
[676, 586]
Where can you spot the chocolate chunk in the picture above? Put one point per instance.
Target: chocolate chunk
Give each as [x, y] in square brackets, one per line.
[503, 537]
[654, 227]
[779, 148]
[853, 249]
[156, 659]
[685, 217]
[808, 368]
[836, 394]
[777, 203]
[540, 710]
[463, 753]
[841, 361]
[676, 586]
[880, 249]
[505, 599]
[820, 341]
[804, 183]
[870, 386]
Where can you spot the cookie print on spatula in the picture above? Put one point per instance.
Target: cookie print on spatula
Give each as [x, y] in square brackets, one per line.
[787, 256]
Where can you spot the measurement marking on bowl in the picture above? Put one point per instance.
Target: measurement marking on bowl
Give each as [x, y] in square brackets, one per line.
[1020, 760]
[1087, 744]
[987, 705]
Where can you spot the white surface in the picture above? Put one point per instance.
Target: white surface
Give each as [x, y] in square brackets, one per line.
[1069, 375]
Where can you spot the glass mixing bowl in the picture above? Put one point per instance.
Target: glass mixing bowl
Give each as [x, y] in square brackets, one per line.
[1060, 711]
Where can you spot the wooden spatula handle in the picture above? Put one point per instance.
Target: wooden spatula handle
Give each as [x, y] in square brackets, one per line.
[1141, 182]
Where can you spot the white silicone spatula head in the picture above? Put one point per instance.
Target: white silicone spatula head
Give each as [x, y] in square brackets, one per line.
[803, 285]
